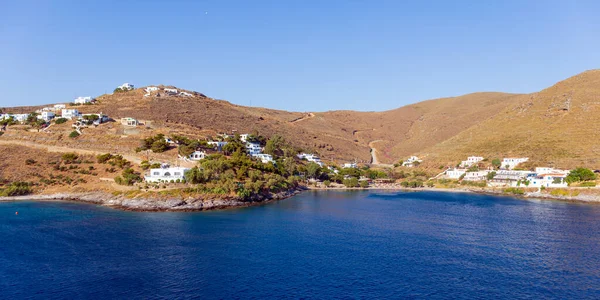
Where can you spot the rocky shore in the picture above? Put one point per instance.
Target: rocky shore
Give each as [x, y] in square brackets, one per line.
[149, 204]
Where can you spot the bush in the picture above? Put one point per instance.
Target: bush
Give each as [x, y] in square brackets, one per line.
[16, 189]
[514, 191]
[580, 174]
[74, 134]
[588, 184]
[327, 183]
[128, 177]
[103, 158]
[30, 161]
[364, 184]
[69, 157]
[60, 120]
[351, 182]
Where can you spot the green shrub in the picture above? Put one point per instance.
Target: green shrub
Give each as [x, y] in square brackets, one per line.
[514, 191]
[70, 157]
[364, 184]
[73, 134]
[60, 120]
[30, 161]
[351, 182]
[588, 184]
[327, 183]
[16, 189]
[103, 158]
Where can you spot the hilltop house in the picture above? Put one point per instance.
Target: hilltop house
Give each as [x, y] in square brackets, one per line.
[166, 174]
[217, 144]
[171, 91]
[253, 148]
[455, 173]
[264, 158]
[126, 86]
[20, 117]
[151, 89]
[46, 116]
[129, 122]
[83, 100]
[244, 137]
[185, 94]
[476, 176]
[102, 118]
[411, 161]
[471, 160]
[197, 155]
[59, 106]
[70, 113]
[511, 163]
[311, 157]
[509, 178]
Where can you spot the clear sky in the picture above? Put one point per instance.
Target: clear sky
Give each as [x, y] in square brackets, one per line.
[295, 55]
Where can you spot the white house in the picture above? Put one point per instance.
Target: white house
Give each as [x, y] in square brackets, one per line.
[197, 155]
[59, 106]
[129, 122]
[217, 144]
[46, 116]
[126, 86]
[455, 173]
[151, 89]
[509, 178]
[20, 117]
[547, 170]
[471, 160]
[171, 91]
[185, 94]
[476, 176]
[411, 161]
[83, 100]
[166, 174]
[102, 118]
[311, 157]
[349, 166]
[265, 158]
[244, 137]
[253, 148]
[552, 180]
[70, 113]
[511, 163]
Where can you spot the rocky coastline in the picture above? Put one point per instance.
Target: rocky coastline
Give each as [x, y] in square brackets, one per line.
[158, 205]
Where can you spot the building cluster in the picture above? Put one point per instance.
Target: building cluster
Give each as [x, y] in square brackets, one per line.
[167, 91]
[507, 176]
[412, 161]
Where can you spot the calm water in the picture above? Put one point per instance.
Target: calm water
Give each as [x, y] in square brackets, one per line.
[316, 245]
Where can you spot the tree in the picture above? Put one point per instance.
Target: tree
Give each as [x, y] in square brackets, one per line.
[274, 145]
[580, 174]
[60, 120]
[351, 182]
[327, 183]
[364, 184]
[496, 163]
[74, 134]
[159, 146]
[491, 175]
[313, 170]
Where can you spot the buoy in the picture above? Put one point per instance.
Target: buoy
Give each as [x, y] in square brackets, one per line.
[17, 213]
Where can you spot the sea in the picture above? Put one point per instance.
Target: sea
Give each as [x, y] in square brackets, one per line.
[316, 245]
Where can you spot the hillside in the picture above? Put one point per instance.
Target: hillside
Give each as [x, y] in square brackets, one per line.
[557, 126]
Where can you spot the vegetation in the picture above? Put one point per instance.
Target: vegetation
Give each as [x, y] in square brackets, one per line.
[155, 143]
[514, 191]
[74, 134]
[496, 163]
[70, 157]
[580, 174]
[128, 177]
[491, 175]
[15, 189]
[60, 120]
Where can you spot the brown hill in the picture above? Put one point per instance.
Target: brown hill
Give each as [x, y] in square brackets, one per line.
[557, 126]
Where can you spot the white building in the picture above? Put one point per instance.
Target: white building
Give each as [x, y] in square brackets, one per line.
[83, 100]
[476, 176]
[20, 117]
[150, 89]
[471, 160]
[166, 174]
[253, 148]
[129, 122]
[102, 118]
[509, 178]
[59, 106]
[244, 137]
[455, 173]
[410, 162]
[265, 158]
[46, 116]
[548, 170]
[217, 144]
[70, 113]
[197, 155]
[511, 163]
[311, 157]
[185, 94]
[549, 180]
[171, 91]
[349, 166]
[126, 86]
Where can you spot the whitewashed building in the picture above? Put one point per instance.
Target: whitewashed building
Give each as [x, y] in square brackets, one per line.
[349, 166]
[253, 148]
[171, 91]
[150, 89]
[244, 137]
[511, 163]
[476, 176]
[126, 86]
[20, 117]
[455, 173]
[46, 116]
[411, 161]
[129, 122]
[83, 100]
[59, 106]
[185, 94]
[197, 155]
[217, 144]
[471, 160]
[509, 178]
[264, 158]
[311, 157]
[70, 113]
[549, 180]
[166, 174]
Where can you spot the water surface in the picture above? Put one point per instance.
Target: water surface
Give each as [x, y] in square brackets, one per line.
[361, 244]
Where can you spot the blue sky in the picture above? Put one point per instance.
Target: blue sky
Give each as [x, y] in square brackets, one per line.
[294, 55]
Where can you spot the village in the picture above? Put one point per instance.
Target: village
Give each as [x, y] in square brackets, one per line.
[475, 170]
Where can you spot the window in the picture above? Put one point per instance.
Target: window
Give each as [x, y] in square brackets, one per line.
[156, 173]
[177, 174]
[167, 174]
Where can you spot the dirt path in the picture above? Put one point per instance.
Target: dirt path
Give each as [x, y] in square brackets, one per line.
[308, 116]
[374, 160]
[60, 149]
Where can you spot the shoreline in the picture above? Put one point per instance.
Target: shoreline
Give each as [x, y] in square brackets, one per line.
[229, 202]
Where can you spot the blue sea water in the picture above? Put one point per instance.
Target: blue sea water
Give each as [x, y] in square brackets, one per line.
[344, 245]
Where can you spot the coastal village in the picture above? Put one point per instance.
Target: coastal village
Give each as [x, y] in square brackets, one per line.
[506, 175]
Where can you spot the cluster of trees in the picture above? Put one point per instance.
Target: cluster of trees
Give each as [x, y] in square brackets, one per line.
[33, 121]
[155, 143]
[128, 177]
[16, 189]
[580, 174]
